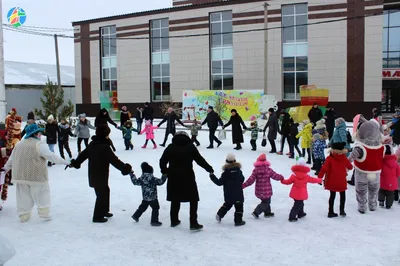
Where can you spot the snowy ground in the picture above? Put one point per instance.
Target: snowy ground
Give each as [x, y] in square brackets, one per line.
[72, 239]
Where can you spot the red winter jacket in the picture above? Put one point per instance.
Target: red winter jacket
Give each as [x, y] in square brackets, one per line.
[299, 179]
[390, 173]
[335, 171]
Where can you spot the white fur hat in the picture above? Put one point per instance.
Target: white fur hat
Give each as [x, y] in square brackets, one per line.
[50, 117]
[301, 161]
[321, 122]
[230, 158]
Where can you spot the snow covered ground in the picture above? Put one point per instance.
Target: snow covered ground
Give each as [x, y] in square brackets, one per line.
[72, 239]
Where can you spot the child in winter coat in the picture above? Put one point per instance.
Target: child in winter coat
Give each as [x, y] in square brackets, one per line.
[149, 185]
[335, 171]
[127, 130]
[149, 130]
[82, 131]
[232, 179]
[294, 141]
[306, 139]
[299, 192]
[64, 131]
[194, 130]
[254, 135]
[318, 146]
[262, 175]
[389, 178]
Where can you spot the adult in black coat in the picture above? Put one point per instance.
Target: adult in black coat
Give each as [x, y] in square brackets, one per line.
[273, 126]
[177, 163]
[171, 117]
[330, 117]
[212, 120]
[103, 118]
[315, 114]
[148, 112]
[100, 157]
[237, 133]
[285, 130]
[124, 116]
[51, 131]
[139, 119]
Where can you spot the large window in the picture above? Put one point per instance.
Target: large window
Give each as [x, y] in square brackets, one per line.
[294, 49]
[108, 59]
[160, 74]
[391, 39]
[221, 41]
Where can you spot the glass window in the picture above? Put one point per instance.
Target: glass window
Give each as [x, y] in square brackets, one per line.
[393, 60]
[301, 8]
[221, 41]
[302, 64]
[288, 35]
[294, 23]
[109, 58]
[394, 39]
[385, 18]
[394, 18]
[288, 86]
[288, 64]
[385, 39]
[301, 34]
[385, 60]
[287, 10]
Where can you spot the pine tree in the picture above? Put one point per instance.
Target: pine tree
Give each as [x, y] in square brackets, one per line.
[220, 107]
[53, 103]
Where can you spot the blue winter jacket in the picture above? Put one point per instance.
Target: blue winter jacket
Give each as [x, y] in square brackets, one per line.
[340, 135]
[318, 148]
[149, 185]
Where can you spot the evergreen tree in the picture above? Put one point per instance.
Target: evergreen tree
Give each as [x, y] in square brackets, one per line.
[53, 103]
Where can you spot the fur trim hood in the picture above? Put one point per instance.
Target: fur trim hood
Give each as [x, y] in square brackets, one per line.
[332, 151]
[228, 166]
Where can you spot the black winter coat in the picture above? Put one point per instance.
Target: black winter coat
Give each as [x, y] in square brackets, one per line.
[124, 117]
[170, 118]
[139, 115]
[64, 131]
[294, 130]
[237, 133]
[50, 132]
[315, 114]
[148, 113]
[102, 119]
[330, 121]
[177, 163]
[212, 120]
[285, 128]
[232, 179]
[396, 133]
[273, 126]
[100, 157]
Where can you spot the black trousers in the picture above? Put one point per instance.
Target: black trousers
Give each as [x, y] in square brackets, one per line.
[386, 196]
[128, 144]
[86, 141]
[167, 132]
[102, 206]
[112, 145]
[332, 201]
[147, 141]
[308, 153]
[253, 144]
[212, 137]
[194, 140]
[273, 145]
[238, 211]
[176, 206]
[139, 126]
[64, 145]
[297, 209]
[294, 146]
[155, 206]
[318, 165]
[263, 207]
[284, 137]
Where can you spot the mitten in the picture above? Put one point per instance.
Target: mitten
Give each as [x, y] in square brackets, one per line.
[126, 169]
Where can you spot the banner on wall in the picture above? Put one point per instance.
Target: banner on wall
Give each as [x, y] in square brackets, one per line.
[109, 101]
[252, 105]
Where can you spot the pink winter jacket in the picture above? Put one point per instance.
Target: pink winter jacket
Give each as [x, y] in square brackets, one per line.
[390, 173]
[149, 130]
[299, 179]
[262, 175]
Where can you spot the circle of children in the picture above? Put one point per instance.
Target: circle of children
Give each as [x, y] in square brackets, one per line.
[375, 161]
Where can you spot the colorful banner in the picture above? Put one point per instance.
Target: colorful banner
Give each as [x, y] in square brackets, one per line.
[310, 94]
[300, 113]
[250, 104]
[109, 101]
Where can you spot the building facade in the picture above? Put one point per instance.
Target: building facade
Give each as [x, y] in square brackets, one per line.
[153, 56]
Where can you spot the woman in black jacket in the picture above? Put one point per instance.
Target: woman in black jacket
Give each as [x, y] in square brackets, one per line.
[124, 116]
[177, 163]
[171, 117]
[273, 126]
[51, 131]
[100, 157]
[285, 130]
[237, 134]
[330, 117]
[103, 118]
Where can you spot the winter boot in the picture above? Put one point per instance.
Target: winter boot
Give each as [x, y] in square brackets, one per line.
[218, 218]
[239, 219]
[155, 146]
[162, 145]
[210, 147]
[219, 144]
[196, 227]
[108, 215]
[396, 195]
[269, 214]
[49, 164]
[238, 147]
[302, 215]
[332, 215]
[342, 212]
[255, 215]
[156, 224]
[135, 218]
[131, 146]
[24, 217]
[381, 204]
[101, 220]
[144, 146]
[279, 153]
[292, 219]
[240, 223]
[175, 224]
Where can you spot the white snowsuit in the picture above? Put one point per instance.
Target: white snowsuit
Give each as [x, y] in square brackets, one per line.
[28, 162]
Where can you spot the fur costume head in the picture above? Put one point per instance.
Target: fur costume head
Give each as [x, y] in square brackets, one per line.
[369, 134]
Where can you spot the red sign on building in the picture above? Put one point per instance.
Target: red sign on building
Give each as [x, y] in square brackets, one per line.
[391, 74]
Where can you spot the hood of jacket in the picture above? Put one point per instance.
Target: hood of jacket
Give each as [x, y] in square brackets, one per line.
[146, 177]
[100, 140]
[341, 125]
[308, 127]
[259, 164]
[301, 171]
[230, 166]
[339, 157]
[101, 113]
[64, 126]
[390, 161]
[181, 140]
[320, 126]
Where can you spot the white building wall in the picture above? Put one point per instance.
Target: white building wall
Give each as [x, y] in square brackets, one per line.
[78, 74]
[95, 70]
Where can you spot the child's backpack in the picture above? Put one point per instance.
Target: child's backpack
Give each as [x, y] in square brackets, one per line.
[349, 138]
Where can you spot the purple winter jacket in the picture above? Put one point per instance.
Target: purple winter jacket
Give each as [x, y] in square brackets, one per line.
[262, 175]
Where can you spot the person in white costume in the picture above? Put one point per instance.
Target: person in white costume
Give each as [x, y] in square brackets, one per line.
[28, 163]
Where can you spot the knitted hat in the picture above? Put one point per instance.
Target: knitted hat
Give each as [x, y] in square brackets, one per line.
[124, 108]
[146, 168]
[230, 158]
[50, 117]
[301, 161]
[338, 146]
[31, 116]
[262, 158]
[82, 115]
[103, 131]
[148, 123]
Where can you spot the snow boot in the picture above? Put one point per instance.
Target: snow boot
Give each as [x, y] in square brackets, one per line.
[131, 146]
[155, 146]
[332, 215]
[196, 227]
[175, 224]
[279, 153]
[144, 146]
[156, 224]
[362, 212]
[24, 217]
[302, 215]
[255, 215]
[218, 218]
[342, 213]
[240, 223]
[49, 164]
[293, 220]
[269, 214]
[109, 215]
[219, 144]
[102, 220]
[135, 218]
[162, 145]
[396, 195]
[210, 147]
[381, 204]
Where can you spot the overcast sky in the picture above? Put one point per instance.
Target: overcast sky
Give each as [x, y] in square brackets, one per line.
[59, 14]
